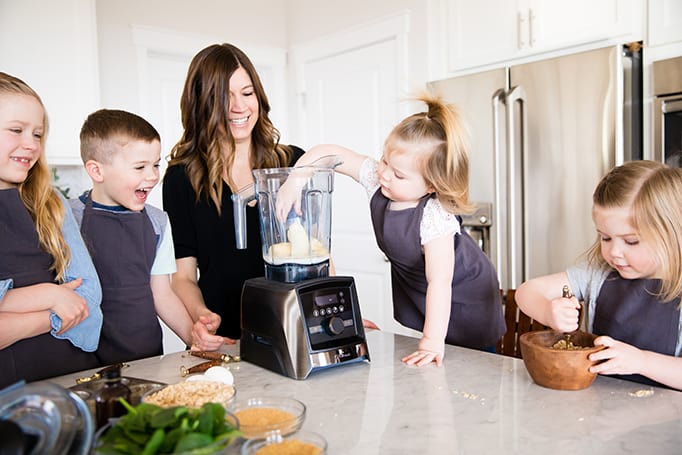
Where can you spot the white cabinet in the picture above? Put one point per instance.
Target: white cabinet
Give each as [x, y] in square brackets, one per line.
[52, 46]
[665, 22]
[489, 31]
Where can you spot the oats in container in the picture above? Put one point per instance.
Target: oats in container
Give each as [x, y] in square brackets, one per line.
[192, 394]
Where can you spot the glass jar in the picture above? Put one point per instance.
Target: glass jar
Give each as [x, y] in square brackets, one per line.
[107, 403]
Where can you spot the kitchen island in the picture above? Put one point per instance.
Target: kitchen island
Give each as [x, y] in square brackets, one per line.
[476, 403]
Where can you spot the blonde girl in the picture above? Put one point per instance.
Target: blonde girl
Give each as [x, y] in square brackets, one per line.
[49, 290]
[631, 281]
[443, 284]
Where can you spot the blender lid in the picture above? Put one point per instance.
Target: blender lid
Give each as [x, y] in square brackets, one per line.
[52, 418]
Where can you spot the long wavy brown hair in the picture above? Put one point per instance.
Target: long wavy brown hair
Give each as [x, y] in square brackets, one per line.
[204, 106]
[36, 192]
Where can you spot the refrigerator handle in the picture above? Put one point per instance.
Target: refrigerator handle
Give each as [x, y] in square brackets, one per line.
[516, 212]
[497, 100]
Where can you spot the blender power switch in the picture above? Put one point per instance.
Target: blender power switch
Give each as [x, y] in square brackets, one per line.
[333, 325]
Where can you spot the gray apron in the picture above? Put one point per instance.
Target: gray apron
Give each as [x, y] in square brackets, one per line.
[476, 317]
[26, 263]
[123, 247]
[628, 311]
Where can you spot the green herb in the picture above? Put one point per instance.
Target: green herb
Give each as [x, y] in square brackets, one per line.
[149, 429]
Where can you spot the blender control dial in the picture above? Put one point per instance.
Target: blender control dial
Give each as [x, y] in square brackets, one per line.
[333, 325]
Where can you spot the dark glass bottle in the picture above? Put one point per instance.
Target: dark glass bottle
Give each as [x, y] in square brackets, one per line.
[107, 404]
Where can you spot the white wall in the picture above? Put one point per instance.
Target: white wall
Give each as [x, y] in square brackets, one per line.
[265, 23]
[256, 22]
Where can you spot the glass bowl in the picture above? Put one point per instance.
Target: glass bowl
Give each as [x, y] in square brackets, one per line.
[219, 446]
[52, 418]
[263, 416]
[192, 394]
[301, 442]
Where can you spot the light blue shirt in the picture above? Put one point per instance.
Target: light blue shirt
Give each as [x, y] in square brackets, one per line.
[86, 334]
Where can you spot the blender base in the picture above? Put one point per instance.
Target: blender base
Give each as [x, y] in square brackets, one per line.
[295, 329]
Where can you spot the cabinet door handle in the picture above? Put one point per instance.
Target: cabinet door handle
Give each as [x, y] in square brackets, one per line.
[531, 26]
[520, 25]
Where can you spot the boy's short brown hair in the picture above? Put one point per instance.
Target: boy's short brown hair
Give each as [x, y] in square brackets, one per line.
[106, 130]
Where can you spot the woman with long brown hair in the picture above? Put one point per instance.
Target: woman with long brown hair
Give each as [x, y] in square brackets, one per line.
[227, 134]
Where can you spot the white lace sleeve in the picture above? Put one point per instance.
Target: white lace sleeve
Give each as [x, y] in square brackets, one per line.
[369, 175]
[437, 222]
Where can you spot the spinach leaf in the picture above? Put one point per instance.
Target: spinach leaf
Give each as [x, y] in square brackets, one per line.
[151, 429]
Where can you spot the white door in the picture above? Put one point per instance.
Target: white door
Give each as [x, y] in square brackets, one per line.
[351, 97]
[165, 77]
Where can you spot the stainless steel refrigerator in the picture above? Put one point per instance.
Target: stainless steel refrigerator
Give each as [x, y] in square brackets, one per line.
[543, 134]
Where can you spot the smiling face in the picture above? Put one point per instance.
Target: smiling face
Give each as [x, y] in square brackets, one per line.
[129, 177]
[621, 245]
[243, 113]
[21, 133]
[400, 175]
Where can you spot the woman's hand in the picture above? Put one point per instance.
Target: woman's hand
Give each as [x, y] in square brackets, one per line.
[429, 351]
[71, 308]
[617, 358]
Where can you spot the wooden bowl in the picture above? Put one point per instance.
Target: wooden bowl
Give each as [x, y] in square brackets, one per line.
[561, 369]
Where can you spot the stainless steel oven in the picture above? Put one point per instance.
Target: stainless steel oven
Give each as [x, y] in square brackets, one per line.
[478, 224]
[667, 82]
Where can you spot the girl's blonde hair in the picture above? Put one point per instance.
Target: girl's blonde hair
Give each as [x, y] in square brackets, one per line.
[653, 191]
[36, 192]
[204, 106]
[441, 136]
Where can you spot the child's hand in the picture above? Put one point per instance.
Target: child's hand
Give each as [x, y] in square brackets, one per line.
[366, 323]
[429, 351]
[564, 313]
[203, 333]
[211, 320]
[71, 308]
[289, 194]
[617, 358]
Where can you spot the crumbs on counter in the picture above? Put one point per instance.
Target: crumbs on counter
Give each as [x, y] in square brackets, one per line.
[642, 393]
[470, 396]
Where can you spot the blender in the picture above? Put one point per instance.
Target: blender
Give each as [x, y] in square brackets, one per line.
[297, 318]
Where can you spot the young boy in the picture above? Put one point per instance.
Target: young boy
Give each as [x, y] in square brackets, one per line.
[130, 242]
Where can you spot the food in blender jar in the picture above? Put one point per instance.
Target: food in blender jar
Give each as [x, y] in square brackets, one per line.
[298, 237]
[299, 246]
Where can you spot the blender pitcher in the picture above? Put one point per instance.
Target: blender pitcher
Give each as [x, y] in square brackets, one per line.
[296, 248]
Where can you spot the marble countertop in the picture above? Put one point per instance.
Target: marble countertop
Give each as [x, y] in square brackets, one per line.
[476, 403]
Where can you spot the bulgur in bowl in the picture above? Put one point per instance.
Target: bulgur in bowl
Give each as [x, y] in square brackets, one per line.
[298, 443]
[260, 417]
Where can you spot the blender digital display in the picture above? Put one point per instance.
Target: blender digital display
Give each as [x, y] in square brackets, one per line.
[324, 300]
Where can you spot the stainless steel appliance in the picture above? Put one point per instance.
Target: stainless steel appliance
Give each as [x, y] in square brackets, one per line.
[667, 82]
[478, 225]
[297, 319]
[543, 134]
